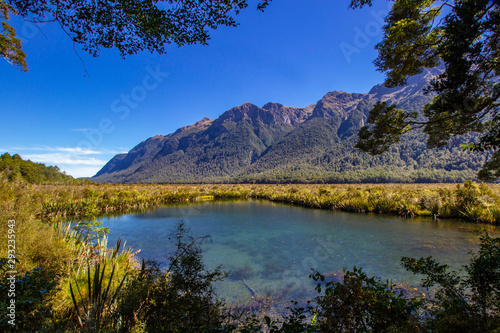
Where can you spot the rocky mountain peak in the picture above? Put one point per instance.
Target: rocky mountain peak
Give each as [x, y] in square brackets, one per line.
[415, 85]
[273, 107]
[199, 125]
[247, 112]
[337, 103]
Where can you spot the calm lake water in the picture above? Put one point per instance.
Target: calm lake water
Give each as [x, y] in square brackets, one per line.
[270, 248]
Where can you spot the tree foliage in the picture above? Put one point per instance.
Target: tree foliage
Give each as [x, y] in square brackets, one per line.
[179, 299]
[464, 302]
[10, 45]
[364, 304]
[16, 169]
[31, 308]
[130, 25]
[462, 37]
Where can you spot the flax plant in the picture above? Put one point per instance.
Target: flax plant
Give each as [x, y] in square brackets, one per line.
[95, 299]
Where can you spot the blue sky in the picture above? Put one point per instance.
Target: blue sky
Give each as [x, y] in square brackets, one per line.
[76, 111]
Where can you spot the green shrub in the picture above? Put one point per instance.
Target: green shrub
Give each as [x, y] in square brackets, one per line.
[30, 293]
[464, 302]
[178, 299]
[364, 304]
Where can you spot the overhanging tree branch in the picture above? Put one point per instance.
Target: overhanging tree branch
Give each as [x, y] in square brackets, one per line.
[466, 42]
[132, 26]
[10, 46]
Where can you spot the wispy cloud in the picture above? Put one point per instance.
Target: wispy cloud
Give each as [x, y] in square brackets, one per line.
[77, 150]
[81, 129]
[81, 171]
[75, 161]
[73, 150]
[63, 159]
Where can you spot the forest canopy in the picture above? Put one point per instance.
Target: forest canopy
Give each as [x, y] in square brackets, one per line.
[14, 168]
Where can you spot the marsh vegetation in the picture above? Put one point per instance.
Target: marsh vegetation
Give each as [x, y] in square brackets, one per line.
[469, 201]
[69, 280]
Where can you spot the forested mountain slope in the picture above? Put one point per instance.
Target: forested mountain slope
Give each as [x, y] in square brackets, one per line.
[276, 143]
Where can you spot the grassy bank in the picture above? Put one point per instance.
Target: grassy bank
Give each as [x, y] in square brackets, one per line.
[37, 208]
[56, 264]
[469, 201]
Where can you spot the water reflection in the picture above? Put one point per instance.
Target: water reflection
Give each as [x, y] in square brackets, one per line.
[270, 248]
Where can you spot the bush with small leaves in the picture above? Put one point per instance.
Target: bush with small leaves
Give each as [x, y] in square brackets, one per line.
[30, 293]
[364, 304]
[464, 302]
[180, 298]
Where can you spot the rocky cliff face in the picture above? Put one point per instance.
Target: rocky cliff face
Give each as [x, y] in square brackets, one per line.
[272, 143]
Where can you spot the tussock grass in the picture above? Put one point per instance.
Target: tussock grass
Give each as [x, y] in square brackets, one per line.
[67, 258]
[468, 201]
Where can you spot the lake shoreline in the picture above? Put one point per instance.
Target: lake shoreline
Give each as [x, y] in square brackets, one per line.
[53, 251]
[478, 203]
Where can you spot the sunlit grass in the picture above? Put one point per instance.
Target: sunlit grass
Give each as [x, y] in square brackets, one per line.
[45, 239]
[474, 202]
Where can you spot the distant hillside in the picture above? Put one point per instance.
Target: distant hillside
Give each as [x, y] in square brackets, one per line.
[14, 168]
[281, 144]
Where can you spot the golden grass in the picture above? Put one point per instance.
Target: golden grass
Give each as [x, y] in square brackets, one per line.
[42, 240]
[474, 202]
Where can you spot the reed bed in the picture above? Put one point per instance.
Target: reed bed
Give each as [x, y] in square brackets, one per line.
[54, 253]
[469, 201]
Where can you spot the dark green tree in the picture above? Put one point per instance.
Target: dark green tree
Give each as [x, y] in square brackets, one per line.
[463, 37]
[16, 169]
[10, 46]
[128, 25]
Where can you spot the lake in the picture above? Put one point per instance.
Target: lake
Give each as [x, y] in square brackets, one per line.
[270, 248]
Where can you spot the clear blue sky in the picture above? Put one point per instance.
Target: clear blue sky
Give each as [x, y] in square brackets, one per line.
[293, 54]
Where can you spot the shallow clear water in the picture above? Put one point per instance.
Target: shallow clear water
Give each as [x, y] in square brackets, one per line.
[272, 247]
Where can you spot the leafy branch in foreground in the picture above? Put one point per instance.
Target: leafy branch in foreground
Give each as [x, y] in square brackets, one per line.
[31, 293]
[364, 304]
[10, 46]
[131, 26]
[389, 124]
[178, 299]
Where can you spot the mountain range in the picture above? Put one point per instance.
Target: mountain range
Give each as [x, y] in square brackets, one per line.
[281, 144]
